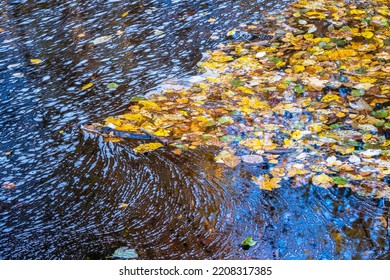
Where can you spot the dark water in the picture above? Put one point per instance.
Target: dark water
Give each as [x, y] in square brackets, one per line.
[69, 185]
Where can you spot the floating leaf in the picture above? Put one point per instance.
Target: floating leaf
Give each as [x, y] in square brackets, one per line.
[340, 180]
[123, 205]
[35, 61]
[101, 40]
[253, 159]
[8, 185]
[265, 183]
[112, 86]
[87, 86]
[144, 148]
[228, 158]
[249, 242]
[323, 181]
[158, 32]
[124, 253]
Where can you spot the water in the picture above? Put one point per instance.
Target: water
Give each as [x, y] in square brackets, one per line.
[70, 185]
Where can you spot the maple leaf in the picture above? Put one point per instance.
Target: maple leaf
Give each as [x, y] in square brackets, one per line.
[323, 181]
[265, 183]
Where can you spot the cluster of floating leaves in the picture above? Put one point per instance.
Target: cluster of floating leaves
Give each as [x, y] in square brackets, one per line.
[312, 102]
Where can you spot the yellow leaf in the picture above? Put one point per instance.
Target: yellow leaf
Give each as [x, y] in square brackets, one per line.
[123, 205]
[127, 127]
[114, 121]
[296, 134]
[245, 90]
[384, 11]
[323, 181]
[35, 61]
[253, 144]
[143, 148]
[125, 14]
[228, 158]
[133, 117]
[162, 132]
[265, 183]
[231, 32]
[298, 68]
[367, 34]
[357, 12]
[149, 105]
[316, 15]
[331, 97]
[368, 80]
[87, 86]
[316, 127]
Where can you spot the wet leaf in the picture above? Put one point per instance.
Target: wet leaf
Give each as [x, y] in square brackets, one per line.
[228, 158]
[124, 253]
[249, 242]
[340, 180]
[236, 82]
[35, 61]
[371, 153]
[112, 86]
[87, 86]
[101, 40]
[267, 183]
[323, 181]
[253, 159]
[123, 205]
[144, 148]
[8, 185]
[380, 114]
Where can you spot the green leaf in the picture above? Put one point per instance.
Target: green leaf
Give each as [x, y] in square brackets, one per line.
[224, 119]
[112, 86]
[361, 70]
[325, 45]
[358, 92]
[386, 41]
[339, 42]
[125, 253]
[137, 98]
[381, 114]
[340, 180]
[249, 242]
[336, 125]
[299, 89]
[379, 124]
[236, 83]
[230, 138]
[275, 60]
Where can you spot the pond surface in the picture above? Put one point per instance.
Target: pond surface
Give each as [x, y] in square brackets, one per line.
[70, 185]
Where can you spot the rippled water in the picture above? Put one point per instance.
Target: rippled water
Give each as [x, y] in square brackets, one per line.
[70, 185]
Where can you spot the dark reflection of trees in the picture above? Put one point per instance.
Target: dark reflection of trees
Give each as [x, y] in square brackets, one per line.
[79, 183]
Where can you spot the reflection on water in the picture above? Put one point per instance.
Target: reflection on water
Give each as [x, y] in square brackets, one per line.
[70, 185]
